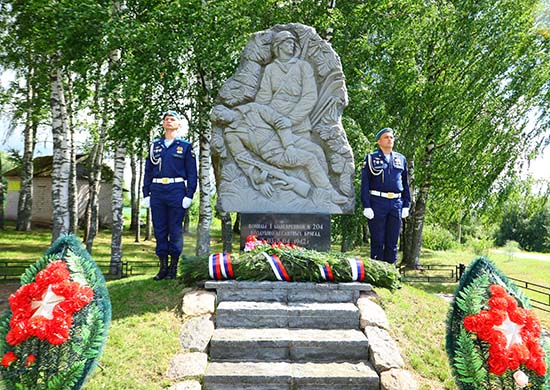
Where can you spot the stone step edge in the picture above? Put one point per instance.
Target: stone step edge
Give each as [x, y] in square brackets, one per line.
[265, 291]
[255, 305]
[244, 285]
[251, 335]
[252, 314]
[275, 371]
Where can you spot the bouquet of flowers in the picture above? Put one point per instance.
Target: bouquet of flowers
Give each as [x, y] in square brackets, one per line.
[493, 339]
[288, 262]
[56, 325]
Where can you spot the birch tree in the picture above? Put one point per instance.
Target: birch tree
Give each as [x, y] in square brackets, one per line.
[24, 206]
[61, 168]
[457, 81]
[115, 267]
[1, 197]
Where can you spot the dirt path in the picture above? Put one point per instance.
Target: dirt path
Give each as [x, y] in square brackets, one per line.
[6, 289]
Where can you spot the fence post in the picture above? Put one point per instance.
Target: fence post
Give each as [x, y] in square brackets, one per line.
[461, 269]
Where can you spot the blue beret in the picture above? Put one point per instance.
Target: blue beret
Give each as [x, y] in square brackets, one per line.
[384, 130]
[171, 113]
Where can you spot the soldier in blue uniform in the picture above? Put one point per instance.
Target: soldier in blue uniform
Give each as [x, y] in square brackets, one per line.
[169, 182]
[385, 196]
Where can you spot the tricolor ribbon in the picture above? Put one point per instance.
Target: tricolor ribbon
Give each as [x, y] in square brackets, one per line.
[277, 267]
[326, 272]
[357, 269]
[220, 267]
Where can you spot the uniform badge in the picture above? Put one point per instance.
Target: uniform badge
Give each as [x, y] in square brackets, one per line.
[397, 162]
[158, 149]
[378, 162]
[179, 150]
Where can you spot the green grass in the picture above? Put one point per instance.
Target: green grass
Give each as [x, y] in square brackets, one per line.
[147, 315]
[417, 321]
[143, 336]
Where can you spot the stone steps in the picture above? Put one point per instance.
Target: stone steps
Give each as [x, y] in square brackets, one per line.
[246, 314]
[286, 376]
[288, 336]
[286, 357]
[231, 290]
[282, 344]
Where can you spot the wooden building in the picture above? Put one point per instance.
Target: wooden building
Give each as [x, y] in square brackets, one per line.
[42, 191]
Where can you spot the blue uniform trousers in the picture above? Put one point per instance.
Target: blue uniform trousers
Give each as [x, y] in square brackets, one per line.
[385, 228]
[167, 214]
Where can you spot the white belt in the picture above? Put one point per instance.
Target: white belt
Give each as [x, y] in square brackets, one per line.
[168, 180]
[389, 195]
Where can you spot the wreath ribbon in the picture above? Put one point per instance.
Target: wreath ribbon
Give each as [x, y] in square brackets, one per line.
[220, 267]
[326, 272]
[357, 269]
[277, 267]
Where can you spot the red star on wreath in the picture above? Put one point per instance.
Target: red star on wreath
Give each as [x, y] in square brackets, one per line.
[512, 332]
[45, 308]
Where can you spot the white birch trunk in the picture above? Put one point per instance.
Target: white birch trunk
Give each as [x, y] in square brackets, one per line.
[24, 207]
[73, 188]
[94, 182]
[115, 267]
[1, 198]
[61, 157]
[94, 179]
[205, 209]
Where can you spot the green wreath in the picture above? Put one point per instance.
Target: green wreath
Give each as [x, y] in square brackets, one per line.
[56, 326]
[493, 338]
[290, 263]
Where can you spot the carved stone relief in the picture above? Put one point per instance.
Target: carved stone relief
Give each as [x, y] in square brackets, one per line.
[278, 142]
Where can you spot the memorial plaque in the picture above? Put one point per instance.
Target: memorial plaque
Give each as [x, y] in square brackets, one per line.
[310, 231]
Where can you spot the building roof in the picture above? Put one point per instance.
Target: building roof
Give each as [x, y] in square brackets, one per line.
[43, 167]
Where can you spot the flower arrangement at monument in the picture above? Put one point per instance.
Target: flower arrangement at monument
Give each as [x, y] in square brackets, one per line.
[493, 338]
[280, 261]
[56, 325]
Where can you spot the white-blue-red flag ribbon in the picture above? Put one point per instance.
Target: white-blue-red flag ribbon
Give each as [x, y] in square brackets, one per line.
[220, 267]
[277, 267]
[326, 272]
[357, 269]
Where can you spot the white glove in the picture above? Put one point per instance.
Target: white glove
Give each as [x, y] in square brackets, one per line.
[186, 202]
[147, 201]
[405, 212]
[369, 213]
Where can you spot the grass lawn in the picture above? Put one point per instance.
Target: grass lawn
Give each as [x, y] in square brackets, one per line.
[147, 315]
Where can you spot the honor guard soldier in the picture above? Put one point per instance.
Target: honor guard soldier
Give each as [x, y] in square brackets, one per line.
[385, 196]
[169, 183]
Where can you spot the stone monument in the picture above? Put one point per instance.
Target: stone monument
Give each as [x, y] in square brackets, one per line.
[278, 142]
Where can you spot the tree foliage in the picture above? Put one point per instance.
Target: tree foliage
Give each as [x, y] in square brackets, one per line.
[525, 218]
[458, 81]
[463, 83]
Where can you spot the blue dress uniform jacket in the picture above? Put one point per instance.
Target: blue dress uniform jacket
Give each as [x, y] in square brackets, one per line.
[385, 189]
[170, 175]
[178, 160]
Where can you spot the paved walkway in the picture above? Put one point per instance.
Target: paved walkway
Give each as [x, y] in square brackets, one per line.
[525, 255]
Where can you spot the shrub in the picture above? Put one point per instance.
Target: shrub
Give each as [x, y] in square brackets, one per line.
[480, 246]
[437, 238]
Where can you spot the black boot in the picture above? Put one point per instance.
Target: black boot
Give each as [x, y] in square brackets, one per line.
[163, 269]
[173, 270]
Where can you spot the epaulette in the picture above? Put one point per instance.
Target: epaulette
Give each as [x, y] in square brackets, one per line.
[181, 140]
